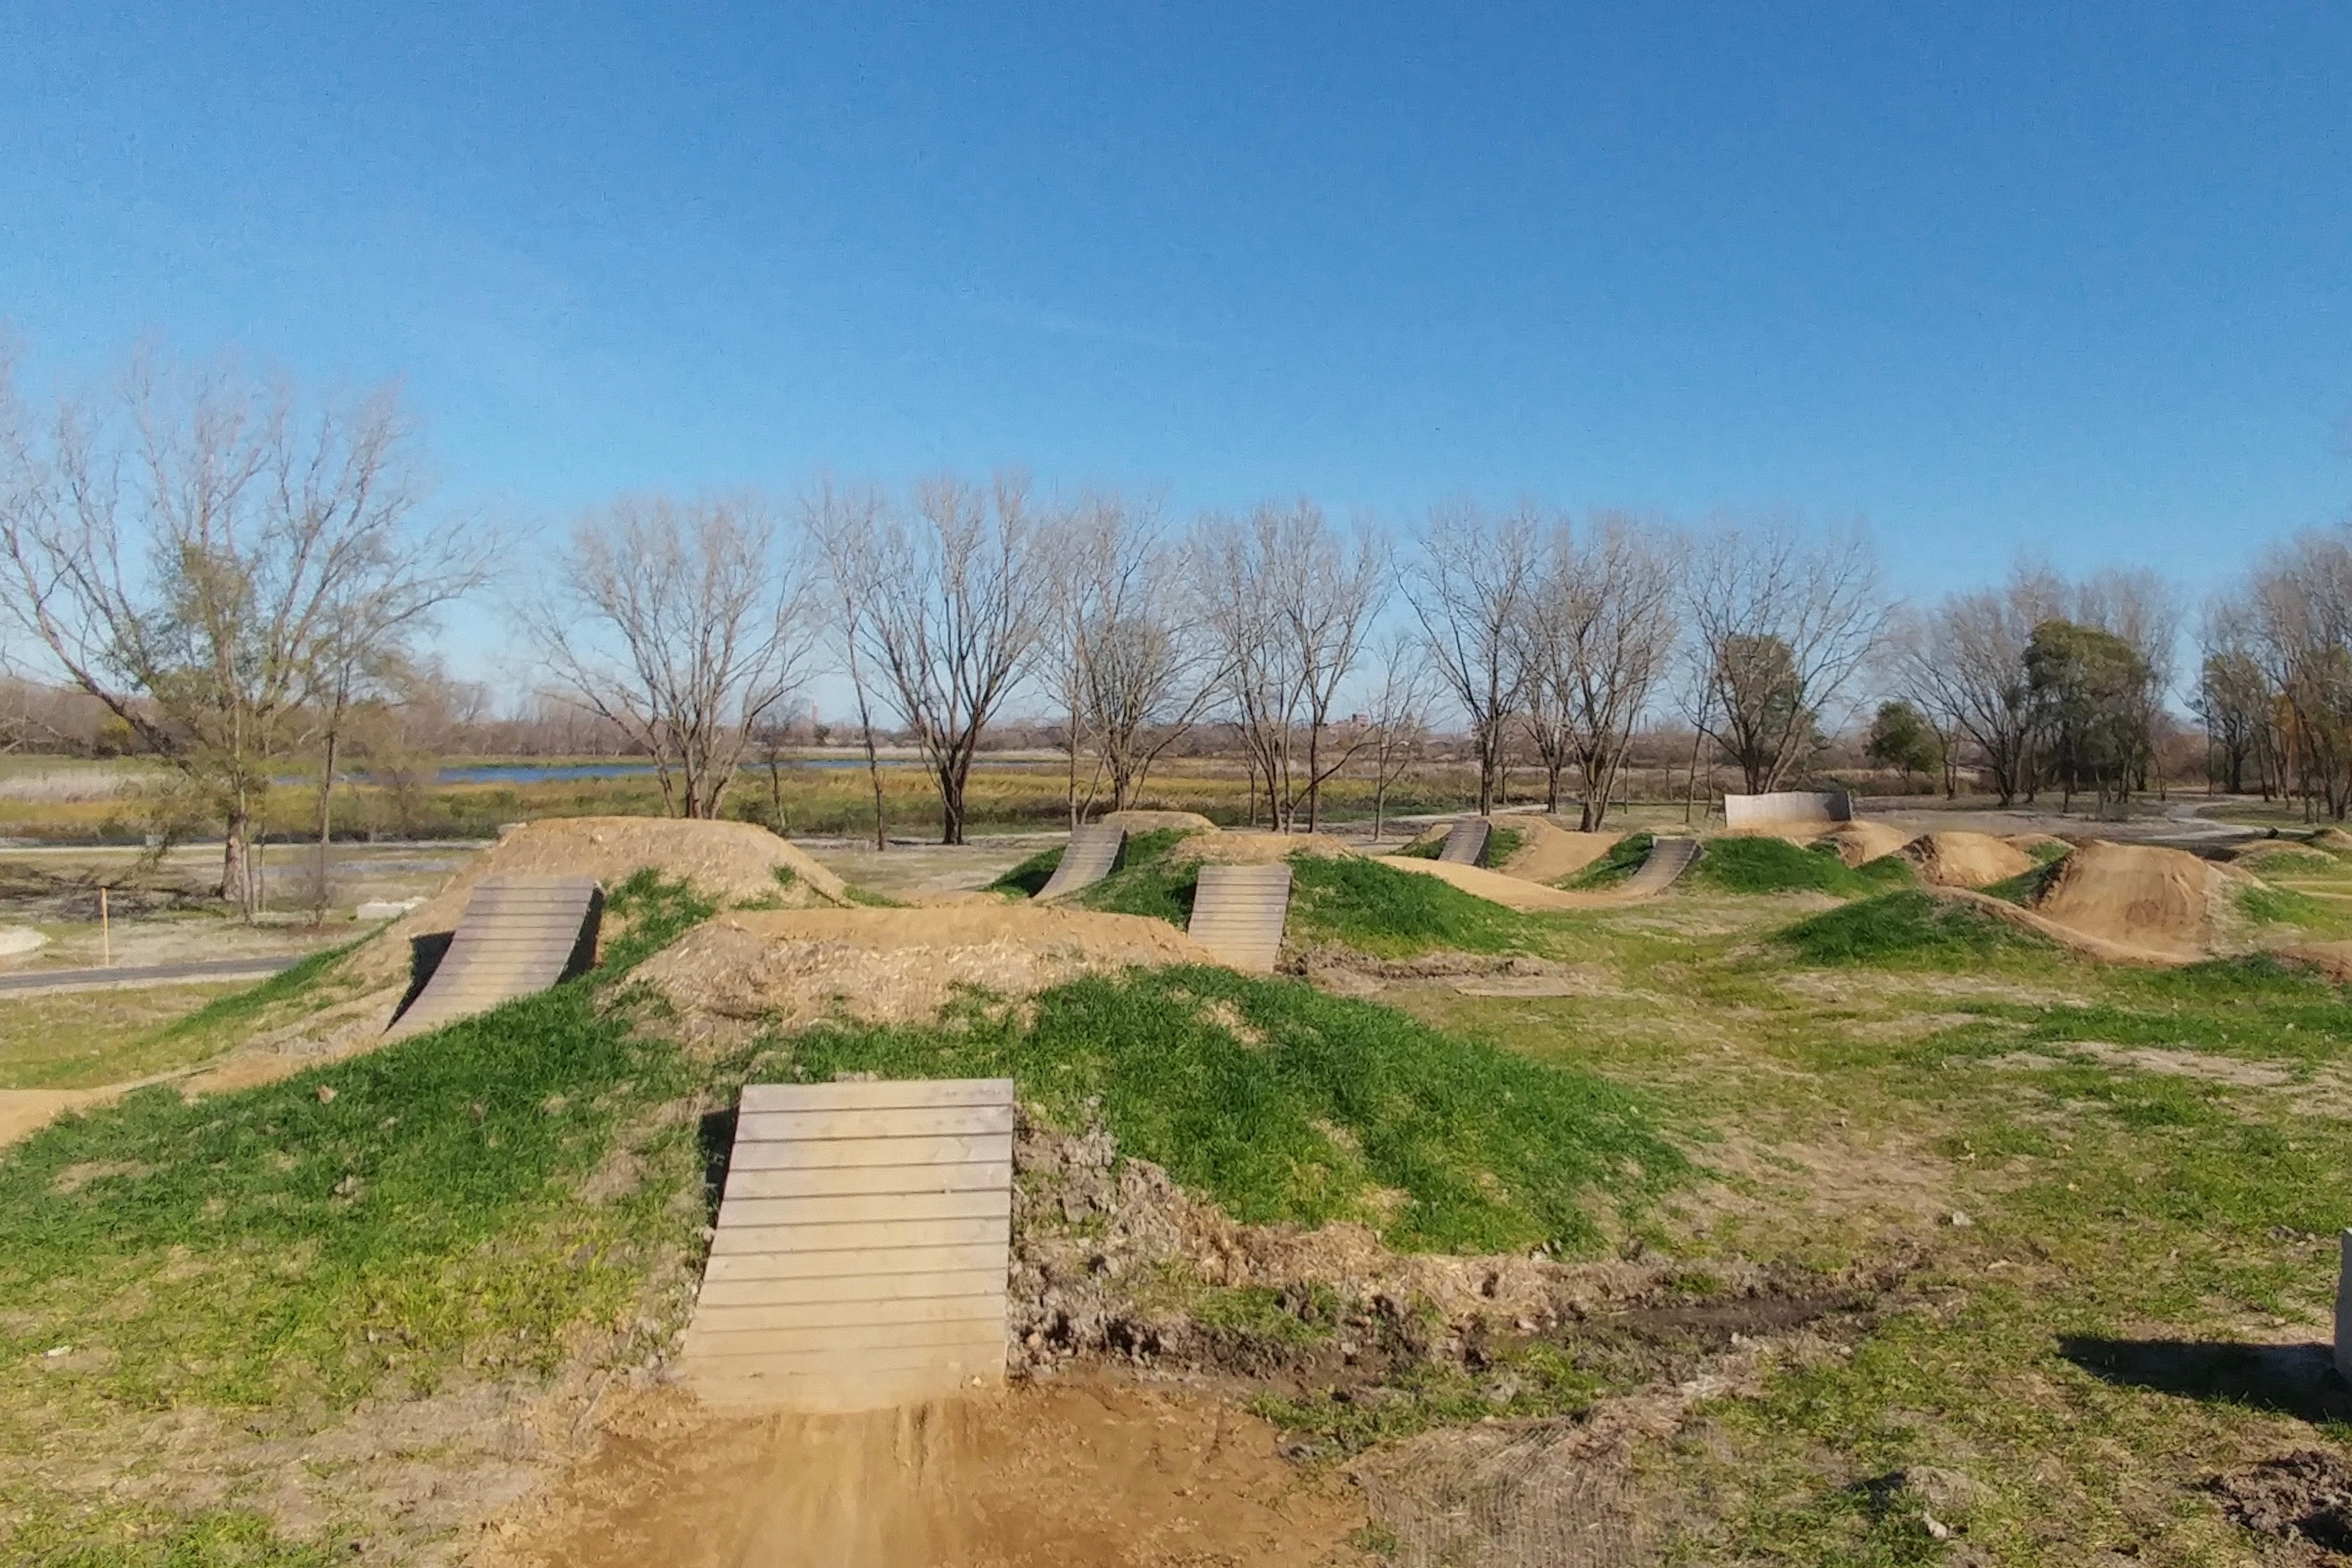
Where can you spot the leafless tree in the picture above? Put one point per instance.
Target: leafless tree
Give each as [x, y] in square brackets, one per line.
[846, 524]
[1126, 650]
[1597, 633]
[202, 554]
[1468, 585]
[2301, 598]
[1781, 627]
[1962, 663]
[2233, 698]
[1289, 601]
[958, 596]
[1398, 719]
[683, 623]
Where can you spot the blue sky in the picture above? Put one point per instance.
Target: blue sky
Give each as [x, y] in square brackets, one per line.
[2071, 279]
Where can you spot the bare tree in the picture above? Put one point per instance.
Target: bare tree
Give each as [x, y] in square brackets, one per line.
[957, 597]
[1963, 664]
[683, 624]
[2232, 698]
[1467, 584]
[1781, 627]
[2302, 604]
[202, 554]
[845, 522]
[1126, 648]
[1399, 716]
[1289, 601]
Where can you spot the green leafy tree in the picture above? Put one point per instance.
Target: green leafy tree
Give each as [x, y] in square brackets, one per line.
[1900, 738]
[2092, 697]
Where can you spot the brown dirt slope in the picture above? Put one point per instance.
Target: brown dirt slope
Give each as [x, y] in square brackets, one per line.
[1966, 860]
[1152, 821]
[1511, 892]
[2137, 895]
[896, 965]
[1549, 852]
[1259, 848]
[1858, 842]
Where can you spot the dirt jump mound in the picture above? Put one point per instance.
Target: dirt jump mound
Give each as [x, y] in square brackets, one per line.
[1157, 821]
[2137, 896]
[1258, 848]
[1966, 860]
[1859, 843]
[1549, 852]
[883, 966]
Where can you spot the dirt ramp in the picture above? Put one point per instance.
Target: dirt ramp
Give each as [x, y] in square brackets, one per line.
[1549, 852]
[1859, 843]
[885, 966]
[1966, 860]
[1094, 1475]
[1259, 848]
[2137, 896]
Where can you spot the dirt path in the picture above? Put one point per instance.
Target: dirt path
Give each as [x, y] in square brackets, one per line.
[1095, 1475]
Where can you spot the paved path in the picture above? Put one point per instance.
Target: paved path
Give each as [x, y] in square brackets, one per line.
[147, 975]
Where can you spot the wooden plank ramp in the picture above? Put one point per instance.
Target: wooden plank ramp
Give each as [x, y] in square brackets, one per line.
[519, 934]
[1465, 841]
[1238, 913]
[863, 1244]
[1089, 857]
[1668, 858]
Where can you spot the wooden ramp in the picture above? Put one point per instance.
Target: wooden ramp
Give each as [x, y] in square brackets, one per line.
[1465, 842]
[1667, 861]
[1087, 858]
[1238, 913]
[862, 1248]
[519, 934]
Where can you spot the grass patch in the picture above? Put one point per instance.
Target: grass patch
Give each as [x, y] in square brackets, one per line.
[2284, 906]
[1284, 1103]
[80, 1039]
[1379, 910]
[1029, 878]
[1147, 881]
[1624, 857]
[652, 911]
[1776, 866]
[2025, 888]
[242, 1007]
[1502, 843]
[867, 897]
[1907, 929]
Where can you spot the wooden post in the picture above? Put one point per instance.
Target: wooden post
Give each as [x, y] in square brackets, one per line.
[105, 931]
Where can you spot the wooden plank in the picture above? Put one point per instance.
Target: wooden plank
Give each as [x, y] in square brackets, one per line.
[814, 1181]
[859, 1287]
[868, 1208]
[741, 1317]
[912, 1122]
[1088, 857]
[746, 1239]
[840, 1152]
[894, 1095]
[1238, 913]
[880, 1267]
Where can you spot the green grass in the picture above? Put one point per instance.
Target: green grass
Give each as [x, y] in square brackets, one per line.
[1029, 878]
[1147, 881]
[1624, 857]
[1776, 866]
[1286, 1104]
[1908, 929]
[2284, 906]
[1379, 910]
[2025, 888]
[1502, 843]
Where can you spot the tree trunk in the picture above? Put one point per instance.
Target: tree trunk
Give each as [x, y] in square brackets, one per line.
[326, 824]
[236, 882]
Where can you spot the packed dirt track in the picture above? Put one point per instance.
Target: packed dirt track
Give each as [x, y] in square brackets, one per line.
[1092, 1474]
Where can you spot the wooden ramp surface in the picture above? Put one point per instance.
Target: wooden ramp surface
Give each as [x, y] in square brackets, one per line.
[1087, 858]
[519, 934]
[1465, 842]
[863, 1243]
[1668, 859]
[1238, 913]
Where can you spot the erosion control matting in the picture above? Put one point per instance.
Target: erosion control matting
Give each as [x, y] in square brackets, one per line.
[1087, 858]
[861, 1247]
[519, 934]
[1238, 913]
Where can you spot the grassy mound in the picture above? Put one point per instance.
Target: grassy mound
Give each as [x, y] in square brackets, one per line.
[1029, 878]
[1907, 929]
[1624, 858]
[1502, 843]
[1776, 866]
[2329, 917]
[391, 1215]
[1389, 913]
[1148, 882]
[1286, 1104]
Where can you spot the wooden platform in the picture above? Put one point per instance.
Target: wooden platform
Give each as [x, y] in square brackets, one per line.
[519, 934]
[863, 1243]
[1238, 913]
[1465, 841]
[1090, 856]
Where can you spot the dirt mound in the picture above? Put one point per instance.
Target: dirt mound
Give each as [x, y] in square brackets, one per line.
[2284, 855]
[1511, 892]
[1966, 860]
[2029, 842]
[1859, 842]
[737, 862]
[2135, 894]
[2334, 840]
[1549, 852]
[1155, 821]
[1260, 849]
[2305, 1495]
[1091, 1474]
[896, 965]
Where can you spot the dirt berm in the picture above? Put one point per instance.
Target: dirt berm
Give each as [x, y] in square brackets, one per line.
[1258, 848]
[1153, 821]
[2128, 903]
[735, 862]
[878, 966]
[1859, 843]
[1966, 860]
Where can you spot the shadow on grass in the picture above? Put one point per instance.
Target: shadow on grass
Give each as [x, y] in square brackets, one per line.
[716, 1137]
[2298, 1379]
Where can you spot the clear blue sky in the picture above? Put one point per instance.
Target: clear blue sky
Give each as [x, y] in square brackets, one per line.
[2071, 277]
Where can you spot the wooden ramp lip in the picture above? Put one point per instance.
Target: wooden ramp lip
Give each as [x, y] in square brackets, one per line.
[1239, 912]
[863, 1246]
[1668, 858]
[1465, 841]
[520, 933]
[1091, 854]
